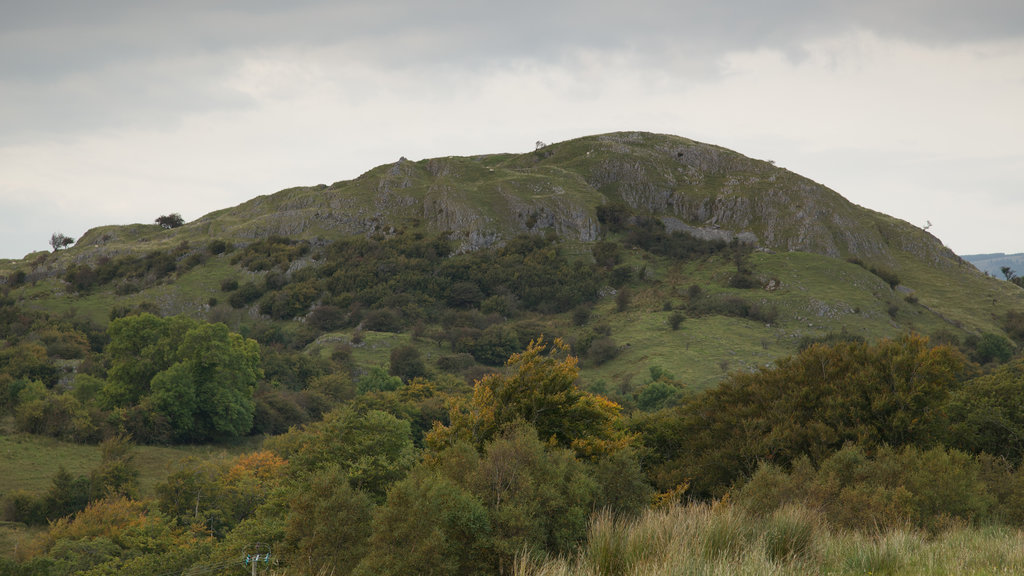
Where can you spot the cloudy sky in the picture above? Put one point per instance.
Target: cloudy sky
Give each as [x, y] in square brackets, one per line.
[118, 111]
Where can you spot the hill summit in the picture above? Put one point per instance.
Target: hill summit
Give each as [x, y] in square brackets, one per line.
[756, 257]
[483, 200]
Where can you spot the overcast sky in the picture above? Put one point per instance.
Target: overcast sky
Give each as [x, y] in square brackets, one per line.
[119, 111]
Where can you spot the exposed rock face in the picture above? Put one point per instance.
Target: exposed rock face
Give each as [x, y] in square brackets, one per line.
[481, 201]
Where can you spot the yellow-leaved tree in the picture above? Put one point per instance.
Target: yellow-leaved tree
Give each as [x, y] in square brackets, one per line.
[540, 389]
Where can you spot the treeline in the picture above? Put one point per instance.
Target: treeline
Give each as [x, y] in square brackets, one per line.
[427, 477]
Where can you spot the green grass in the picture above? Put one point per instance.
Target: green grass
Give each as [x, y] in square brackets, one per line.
[29, 462]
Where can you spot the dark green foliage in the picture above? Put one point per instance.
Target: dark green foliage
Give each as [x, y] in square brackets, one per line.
[810, 404]
[66, 495]
[615, 216]
[407, 363]
[606, 254]
[675, 319]
[622, 299]
[620, 275]
[734, 306]
[278, 409]
[495, 344]
[602, 350]
[378, 380]
[893, 488]
[989, 347]
[59, 240]
[464, 295]
[28, 361]
[81, 277]
[246, 294]
[229, 285]
[270, 253]
[649, 233]
[581, 314]
[622, 487]
[833, 338]
[455, 362]
[1013, 324]
[328, 523]
[432, 526]
[985, 413]
[116, 474]
[169, 221]
[291, 301]
[327, 318]
[217, 247]
[383, 320]
[538, 497]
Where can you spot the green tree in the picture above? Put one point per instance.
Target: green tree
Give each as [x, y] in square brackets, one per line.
[407, 363]
[538, 497]
[372, 449]
[328, 523]
[200, 376]
[169, 221]
[431, 526]
[992, 348]
[813, 403]
[986, 416]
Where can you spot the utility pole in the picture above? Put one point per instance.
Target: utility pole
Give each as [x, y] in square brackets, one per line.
[259, 552]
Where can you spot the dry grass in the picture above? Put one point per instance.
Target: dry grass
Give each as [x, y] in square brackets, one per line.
[721, 539]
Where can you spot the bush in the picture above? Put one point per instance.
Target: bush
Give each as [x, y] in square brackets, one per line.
[991, 348]
[675, 319]
[384, 320]
[407, 363]
[602, 350]
[246, 294]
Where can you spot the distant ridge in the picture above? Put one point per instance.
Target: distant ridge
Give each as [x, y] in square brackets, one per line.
[992, 264]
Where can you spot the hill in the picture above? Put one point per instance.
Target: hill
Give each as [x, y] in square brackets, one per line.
[993, 263]
[773, 260]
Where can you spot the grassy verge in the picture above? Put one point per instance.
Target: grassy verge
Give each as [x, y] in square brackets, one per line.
[702, 539]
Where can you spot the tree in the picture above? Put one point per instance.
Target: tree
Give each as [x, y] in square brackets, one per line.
[986, 413]
[810, 404]
[373, 450]
[430, 525]
[407, 363]
[541, 391]
[328, 523]
[58, 241]
[200, 377]
[170, 221]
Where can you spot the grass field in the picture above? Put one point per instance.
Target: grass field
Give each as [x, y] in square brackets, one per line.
[29, 462]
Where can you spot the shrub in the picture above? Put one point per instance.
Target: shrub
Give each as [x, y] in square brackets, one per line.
[406, 363]
[675, 319]
[602, 350]
[383, 320]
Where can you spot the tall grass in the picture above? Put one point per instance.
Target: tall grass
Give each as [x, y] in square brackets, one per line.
[721, 539]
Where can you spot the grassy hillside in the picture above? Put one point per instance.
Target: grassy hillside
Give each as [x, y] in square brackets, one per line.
[805, 237]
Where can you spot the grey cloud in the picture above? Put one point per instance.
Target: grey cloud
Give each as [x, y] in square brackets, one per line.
[73, 65]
